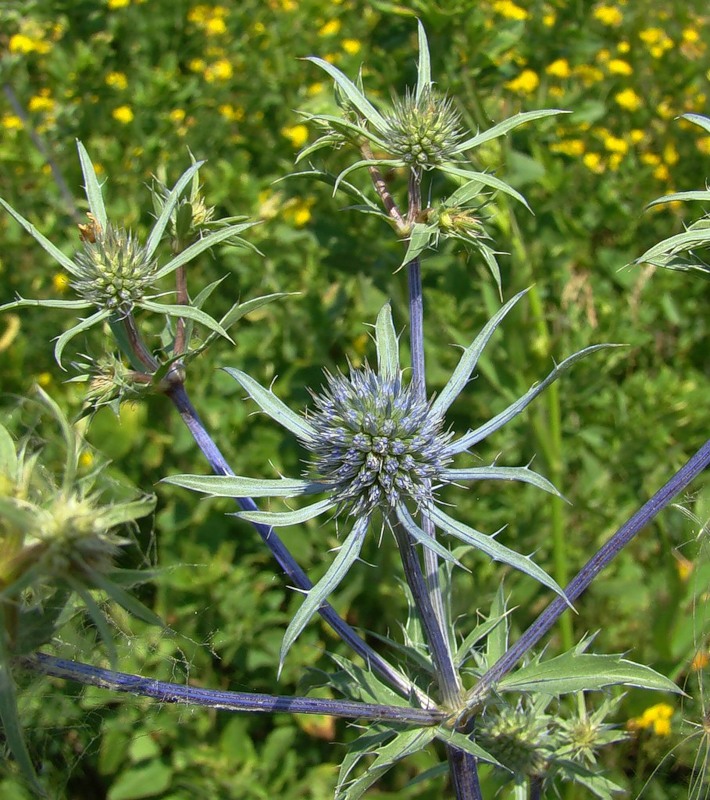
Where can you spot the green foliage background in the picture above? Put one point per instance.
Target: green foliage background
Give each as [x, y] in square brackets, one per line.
[141, 82]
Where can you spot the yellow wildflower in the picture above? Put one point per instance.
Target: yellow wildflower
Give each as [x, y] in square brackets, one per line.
[700, 660]
[289, 5]
[603, 55]
[662, 173]
[23, 44]
[636, 136]
[657, 717]
[299, 212]
[215, 26]
[525, 83]
[559, 68]
[608, 15]
[593, 162]
[352, 46]
[221, 70]
[614, 144]
[330, 28]
[588, 74]
[177, 115]
[314, 89]
[549, 19]
[297, 134]
[113, 4]
[86, 459]
[628, 99]
[196, 64]
[703, 144]
[651, 159]
[231, 113]
[60, 281]
[690, 35]
[11, 122]
[623, 47]
[569, 147]
[508, 9]
[617, 66]
[651, 35]
[664, 110]
[117, 80]
[670, 154]
[44, 379]
[123, 114]
[41, 102]
[259, 28]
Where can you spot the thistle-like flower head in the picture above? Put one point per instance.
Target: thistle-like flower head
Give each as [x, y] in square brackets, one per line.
[377, 442]
[376, 445]
[113, 271]
[423, 130]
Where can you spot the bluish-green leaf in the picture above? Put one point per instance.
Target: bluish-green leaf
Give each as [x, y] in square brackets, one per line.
[275, 408]
[347, 554]
[463, 742]
[487, 180]
[185, 312]
[236, 486]
[84, 325]
[505, 126]
[92, 187]
[422, 537]
[387, 344]
[171, 200]
[698, 119]
[277, 519]
[522, 474]
[469, 360]
[424, 64]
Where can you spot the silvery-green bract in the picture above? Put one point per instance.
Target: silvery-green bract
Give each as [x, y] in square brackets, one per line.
[375, 447]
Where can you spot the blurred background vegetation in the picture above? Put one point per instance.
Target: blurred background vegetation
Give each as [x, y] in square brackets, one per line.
[142, 83]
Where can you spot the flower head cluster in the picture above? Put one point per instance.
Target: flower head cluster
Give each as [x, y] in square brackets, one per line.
[113, 270]
[377, 442]
[423, 130]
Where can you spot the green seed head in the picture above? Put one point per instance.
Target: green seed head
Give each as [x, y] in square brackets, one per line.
[517, 740]
[114, 269]
[423, 132]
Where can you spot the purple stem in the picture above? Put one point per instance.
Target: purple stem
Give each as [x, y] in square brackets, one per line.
[589, 572]
[286, 561]
[168, 692]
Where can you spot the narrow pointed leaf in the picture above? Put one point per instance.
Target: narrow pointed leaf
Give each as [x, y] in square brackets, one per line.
[698, 119]
[469, 360]
[277, 519]
[236, 486]
[487, 180]
[21, 302]
[473, 437]
[53, 251]
[464, 194]
[674, 244]
[127, 512]
[522, 474]
[317, 596]
[123, 598]
[92, 187]
[352, 93]
[275, 408]
[71, 441]
[171, 200]
[387, 344]
[402, 745]
[478, 634]
[212, 239]
[422, 537]
[506, 125]
[680, 196]
[185, 312]
[8, 455]
[372, 162]
[575, 672]
[462, 742]
[420, 239]
[67, 336]
[424, 65]
[97, 617]
[492, 548]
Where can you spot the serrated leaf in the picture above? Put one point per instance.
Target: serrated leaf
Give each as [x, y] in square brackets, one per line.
[171, 200]
[485, 631]
[237, 486]
[121, 513]
[354, 96]
[92, 187]
[505, 126]
[205, 243]
[277, 519]
[347, 554]
[497, 641]
[462, 742]
[424, 63]
[492, 548]
[365, 685]
[575, 672]
[479, 434]
[22, 302]
[83, 325]
[185, 312]
[522, 474]
[275, 408]
[387, 344]
[53, 251]
[419, 240]
[677, 243]
[423, 538]
[469, 360]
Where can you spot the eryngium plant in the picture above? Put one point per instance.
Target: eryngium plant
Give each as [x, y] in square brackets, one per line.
[376, 446]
